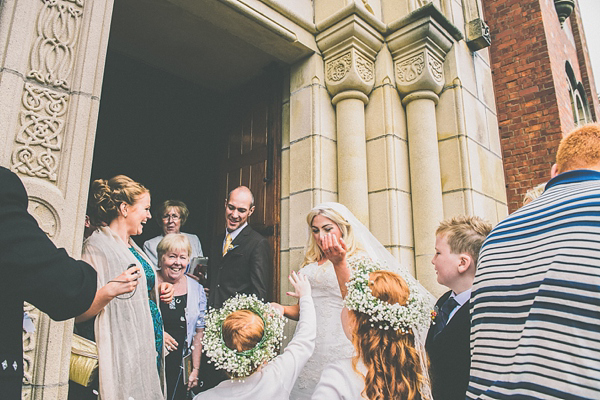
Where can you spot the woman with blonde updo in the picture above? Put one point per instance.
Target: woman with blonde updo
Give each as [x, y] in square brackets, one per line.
[128, 330]
[386, 364]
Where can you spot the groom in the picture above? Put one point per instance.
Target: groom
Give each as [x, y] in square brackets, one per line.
[239, 261]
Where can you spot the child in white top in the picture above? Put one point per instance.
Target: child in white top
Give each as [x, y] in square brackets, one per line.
[273, 380]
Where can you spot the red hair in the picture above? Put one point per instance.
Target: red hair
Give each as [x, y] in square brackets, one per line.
[392, 361]
[242, 330]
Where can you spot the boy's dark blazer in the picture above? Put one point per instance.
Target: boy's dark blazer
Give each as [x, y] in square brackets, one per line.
[244, 269]
[450, 354]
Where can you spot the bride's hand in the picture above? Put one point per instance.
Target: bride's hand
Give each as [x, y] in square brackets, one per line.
[334, 251]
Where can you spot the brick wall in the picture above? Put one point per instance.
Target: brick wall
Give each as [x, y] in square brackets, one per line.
[528, 114]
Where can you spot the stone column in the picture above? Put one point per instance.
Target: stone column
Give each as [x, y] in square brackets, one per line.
[419, 44]
[349, 46]
[51, 67]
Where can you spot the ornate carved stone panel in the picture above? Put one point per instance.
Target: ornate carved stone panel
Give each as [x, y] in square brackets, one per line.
[436, 69]
[338, 68]
[53, 52]
[41, 128]
[410, 70]
[420, 71]
[350, 71]
[29, 343]
[364, 68]
[38, 143]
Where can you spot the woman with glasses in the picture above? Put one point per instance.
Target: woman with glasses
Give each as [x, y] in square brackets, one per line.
[173, 214]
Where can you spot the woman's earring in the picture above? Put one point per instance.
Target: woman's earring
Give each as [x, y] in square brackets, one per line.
[124, 215]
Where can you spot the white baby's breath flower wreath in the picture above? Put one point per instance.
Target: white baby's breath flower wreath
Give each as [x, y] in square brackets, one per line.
[415, 313]
[241, 364]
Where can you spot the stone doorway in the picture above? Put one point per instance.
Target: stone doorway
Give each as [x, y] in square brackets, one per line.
[172, 85]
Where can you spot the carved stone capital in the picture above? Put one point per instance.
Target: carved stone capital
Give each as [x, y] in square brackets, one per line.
[349, 48]
[419, 46]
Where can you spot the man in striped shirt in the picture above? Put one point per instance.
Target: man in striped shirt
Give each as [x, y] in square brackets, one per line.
[535, 323]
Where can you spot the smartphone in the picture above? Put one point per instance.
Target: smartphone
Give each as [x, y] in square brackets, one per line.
[198, 261]
[132, 265]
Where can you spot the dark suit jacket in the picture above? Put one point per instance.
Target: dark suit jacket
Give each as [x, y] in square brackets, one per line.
[244, 269]
[33, 270]
[450, 355]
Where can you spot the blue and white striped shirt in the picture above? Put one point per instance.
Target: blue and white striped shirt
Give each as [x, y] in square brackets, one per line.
[535, 326]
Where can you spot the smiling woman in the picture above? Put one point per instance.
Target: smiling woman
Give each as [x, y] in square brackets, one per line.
[129, 331]
[183, 316]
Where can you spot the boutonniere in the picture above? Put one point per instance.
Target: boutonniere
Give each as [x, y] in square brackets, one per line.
[434, 313]
[231, 247]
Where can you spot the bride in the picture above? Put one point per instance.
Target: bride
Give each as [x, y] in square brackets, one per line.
[335, 237]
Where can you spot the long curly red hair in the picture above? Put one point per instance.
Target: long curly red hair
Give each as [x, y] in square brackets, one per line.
[393, 364]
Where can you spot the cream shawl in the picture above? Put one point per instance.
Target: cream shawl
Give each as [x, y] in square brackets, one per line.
[124, 328]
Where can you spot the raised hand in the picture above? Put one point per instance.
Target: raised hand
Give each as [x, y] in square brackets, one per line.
[334, 251]
[301, 285]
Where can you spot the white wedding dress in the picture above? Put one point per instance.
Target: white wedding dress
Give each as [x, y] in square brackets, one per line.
[331, 344]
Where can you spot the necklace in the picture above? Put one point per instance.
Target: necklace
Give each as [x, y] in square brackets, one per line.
[174, 302]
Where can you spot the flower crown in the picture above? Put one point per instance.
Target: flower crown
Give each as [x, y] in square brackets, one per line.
[415, 313]
[241, 364]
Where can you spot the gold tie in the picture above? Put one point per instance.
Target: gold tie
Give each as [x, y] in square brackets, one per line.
[228, 241]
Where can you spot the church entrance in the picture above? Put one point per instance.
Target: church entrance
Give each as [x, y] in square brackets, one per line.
[188, 114]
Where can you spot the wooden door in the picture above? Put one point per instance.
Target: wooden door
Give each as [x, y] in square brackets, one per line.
[253, 143]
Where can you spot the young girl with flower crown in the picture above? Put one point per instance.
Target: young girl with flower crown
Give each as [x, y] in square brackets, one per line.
[242, 337]
[381, 316]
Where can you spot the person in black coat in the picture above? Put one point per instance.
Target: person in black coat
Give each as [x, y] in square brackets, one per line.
[239, 263]
[33, 270]
[457, 245]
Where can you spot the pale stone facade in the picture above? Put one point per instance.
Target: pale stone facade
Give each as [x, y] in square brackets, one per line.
[387, 109]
